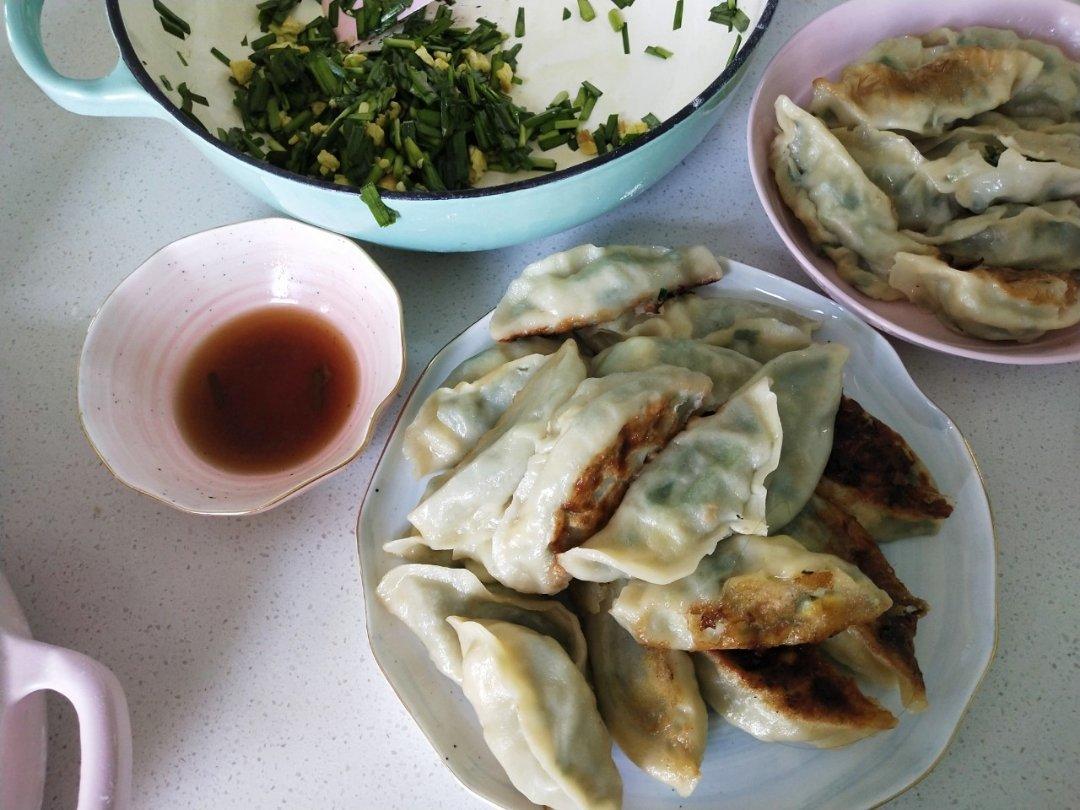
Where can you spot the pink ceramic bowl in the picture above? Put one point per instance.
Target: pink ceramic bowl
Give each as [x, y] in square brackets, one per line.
[145, 331]
[823, 48]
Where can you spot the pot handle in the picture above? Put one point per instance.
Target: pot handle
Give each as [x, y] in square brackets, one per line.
[118, 93]
[104, 726]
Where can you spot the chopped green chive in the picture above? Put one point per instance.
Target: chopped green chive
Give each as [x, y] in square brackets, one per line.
[175, 23]
[566, 13]
[587, 97]
[651, 121]
[183, 61]
[549, 140]
[656, 50]
[398, 42]
[729, 14]
[426, 109]
[623, 3]
[734, 49]
[677, 24]
[172, 29]
[165, 82]
[615, 19]
[264, 41]
[189, 97]
[625, 38]
[384, 215]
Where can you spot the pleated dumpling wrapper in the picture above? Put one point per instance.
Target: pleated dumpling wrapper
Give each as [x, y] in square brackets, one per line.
[588, 285]
[874, 475]
[452, 420]
[462, 512]
[481, 363]
[882, 650]
[789, 695]
[751, 592]
[1024, 237]
[925, 100]
[538, 715]
[844, 213]
[706, 484]
[594, 446]
[1054, 94]
[988, 302]
[760, 330]
[808, 385]
[423, 596]
[727, 369]
[650, 701]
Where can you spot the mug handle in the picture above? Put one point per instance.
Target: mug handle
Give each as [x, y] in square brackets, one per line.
[116, 94]
[104, 726]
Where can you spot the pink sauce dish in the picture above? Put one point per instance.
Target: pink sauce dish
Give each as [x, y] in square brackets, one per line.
[823, 48]
[196, 445]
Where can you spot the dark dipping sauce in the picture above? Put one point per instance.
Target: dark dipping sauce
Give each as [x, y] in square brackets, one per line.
[267, 390]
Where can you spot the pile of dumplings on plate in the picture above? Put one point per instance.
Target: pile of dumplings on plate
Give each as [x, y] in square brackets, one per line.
[642, 501]
[944, 169]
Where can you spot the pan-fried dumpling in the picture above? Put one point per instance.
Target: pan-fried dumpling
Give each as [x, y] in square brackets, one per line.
[1034, 138]
[845, 214]
[958, 84]
[538, 716]
[790, 695]
[987, 302]
[414, 550]
[895, 165]
[977, 183]
[1054, 93]
[761, 339]
[588, 285]
[807, 385]
[463, 512]
[424, 596]
[751, 592]
[707, 483]
[875, 476]
[650, 702]
[727, 369]
[882, 650]
[714, 319]
[498, 355]
[910, 52]
[1040, 237]
[452, 420]
[594, 446]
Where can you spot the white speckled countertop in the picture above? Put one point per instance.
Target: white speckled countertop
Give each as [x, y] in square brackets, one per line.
[240, 642]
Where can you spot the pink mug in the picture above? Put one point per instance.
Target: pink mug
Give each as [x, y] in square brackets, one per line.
[27, 669]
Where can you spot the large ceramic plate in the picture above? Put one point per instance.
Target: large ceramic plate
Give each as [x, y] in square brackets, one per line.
[953, 571]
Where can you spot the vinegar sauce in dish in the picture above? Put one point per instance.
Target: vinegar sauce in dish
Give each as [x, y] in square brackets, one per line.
[266, 390]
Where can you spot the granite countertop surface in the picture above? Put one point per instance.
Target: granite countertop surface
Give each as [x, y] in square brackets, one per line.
[240, 642]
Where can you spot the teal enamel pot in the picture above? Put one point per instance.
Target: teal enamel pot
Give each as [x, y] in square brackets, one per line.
[474, 219]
